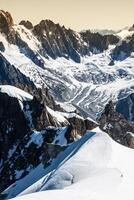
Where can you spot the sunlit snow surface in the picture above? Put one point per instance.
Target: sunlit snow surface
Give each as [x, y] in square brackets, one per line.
[15, 92]
[89, 84]
[93, 168]
[124, 33]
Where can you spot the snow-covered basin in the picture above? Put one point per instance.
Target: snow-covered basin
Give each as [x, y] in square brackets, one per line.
[98, 168]
[15, 92]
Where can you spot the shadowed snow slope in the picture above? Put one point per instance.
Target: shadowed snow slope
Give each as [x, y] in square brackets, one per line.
[93, 165]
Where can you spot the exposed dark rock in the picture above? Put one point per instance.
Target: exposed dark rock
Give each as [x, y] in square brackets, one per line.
[2, 48]
[124, 49]
[111, 63]
[9, 75]
[97, 42]
[40, 116]
[117, 126]
[57, 41]
[6, 22]
[27, 24]
[12, 122]
[125, 106]
[90, 124]
[80, 125]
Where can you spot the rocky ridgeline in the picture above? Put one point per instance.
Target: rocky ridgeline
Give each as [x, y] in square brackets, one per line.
[56, 41]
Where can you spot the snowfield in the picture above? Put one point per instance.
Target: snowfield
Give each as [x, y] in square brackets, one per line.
[93, 168]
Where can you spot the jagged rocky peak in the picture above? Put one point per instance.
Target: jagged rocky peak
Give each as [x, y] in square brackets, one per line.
[6, 21]
[45, 25]
[57, 41]
[27, 24]
[117, 126]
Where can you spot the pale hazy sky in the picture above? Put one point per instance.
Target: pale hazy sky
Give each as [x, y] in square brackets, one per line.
[76, 14]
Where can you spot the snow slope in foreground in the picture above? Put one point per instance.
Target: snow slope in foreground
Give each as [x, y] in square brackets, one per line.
[97, 168]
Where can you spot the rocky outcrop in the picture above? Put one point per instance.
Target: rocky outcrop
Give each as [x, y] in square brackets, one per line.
[97, 42]
[117, 126]
[123, 49]
[6, 22]
[27, 24]
[12, 122]
[34, 148]
[125, 106]
[80, 125]
[57, 41]
[40, 116]
[9, 75]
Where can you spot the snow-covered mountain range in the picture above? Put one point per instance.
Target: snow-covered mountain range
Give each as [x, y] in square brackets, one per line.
[76, 67]
[57, 86]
